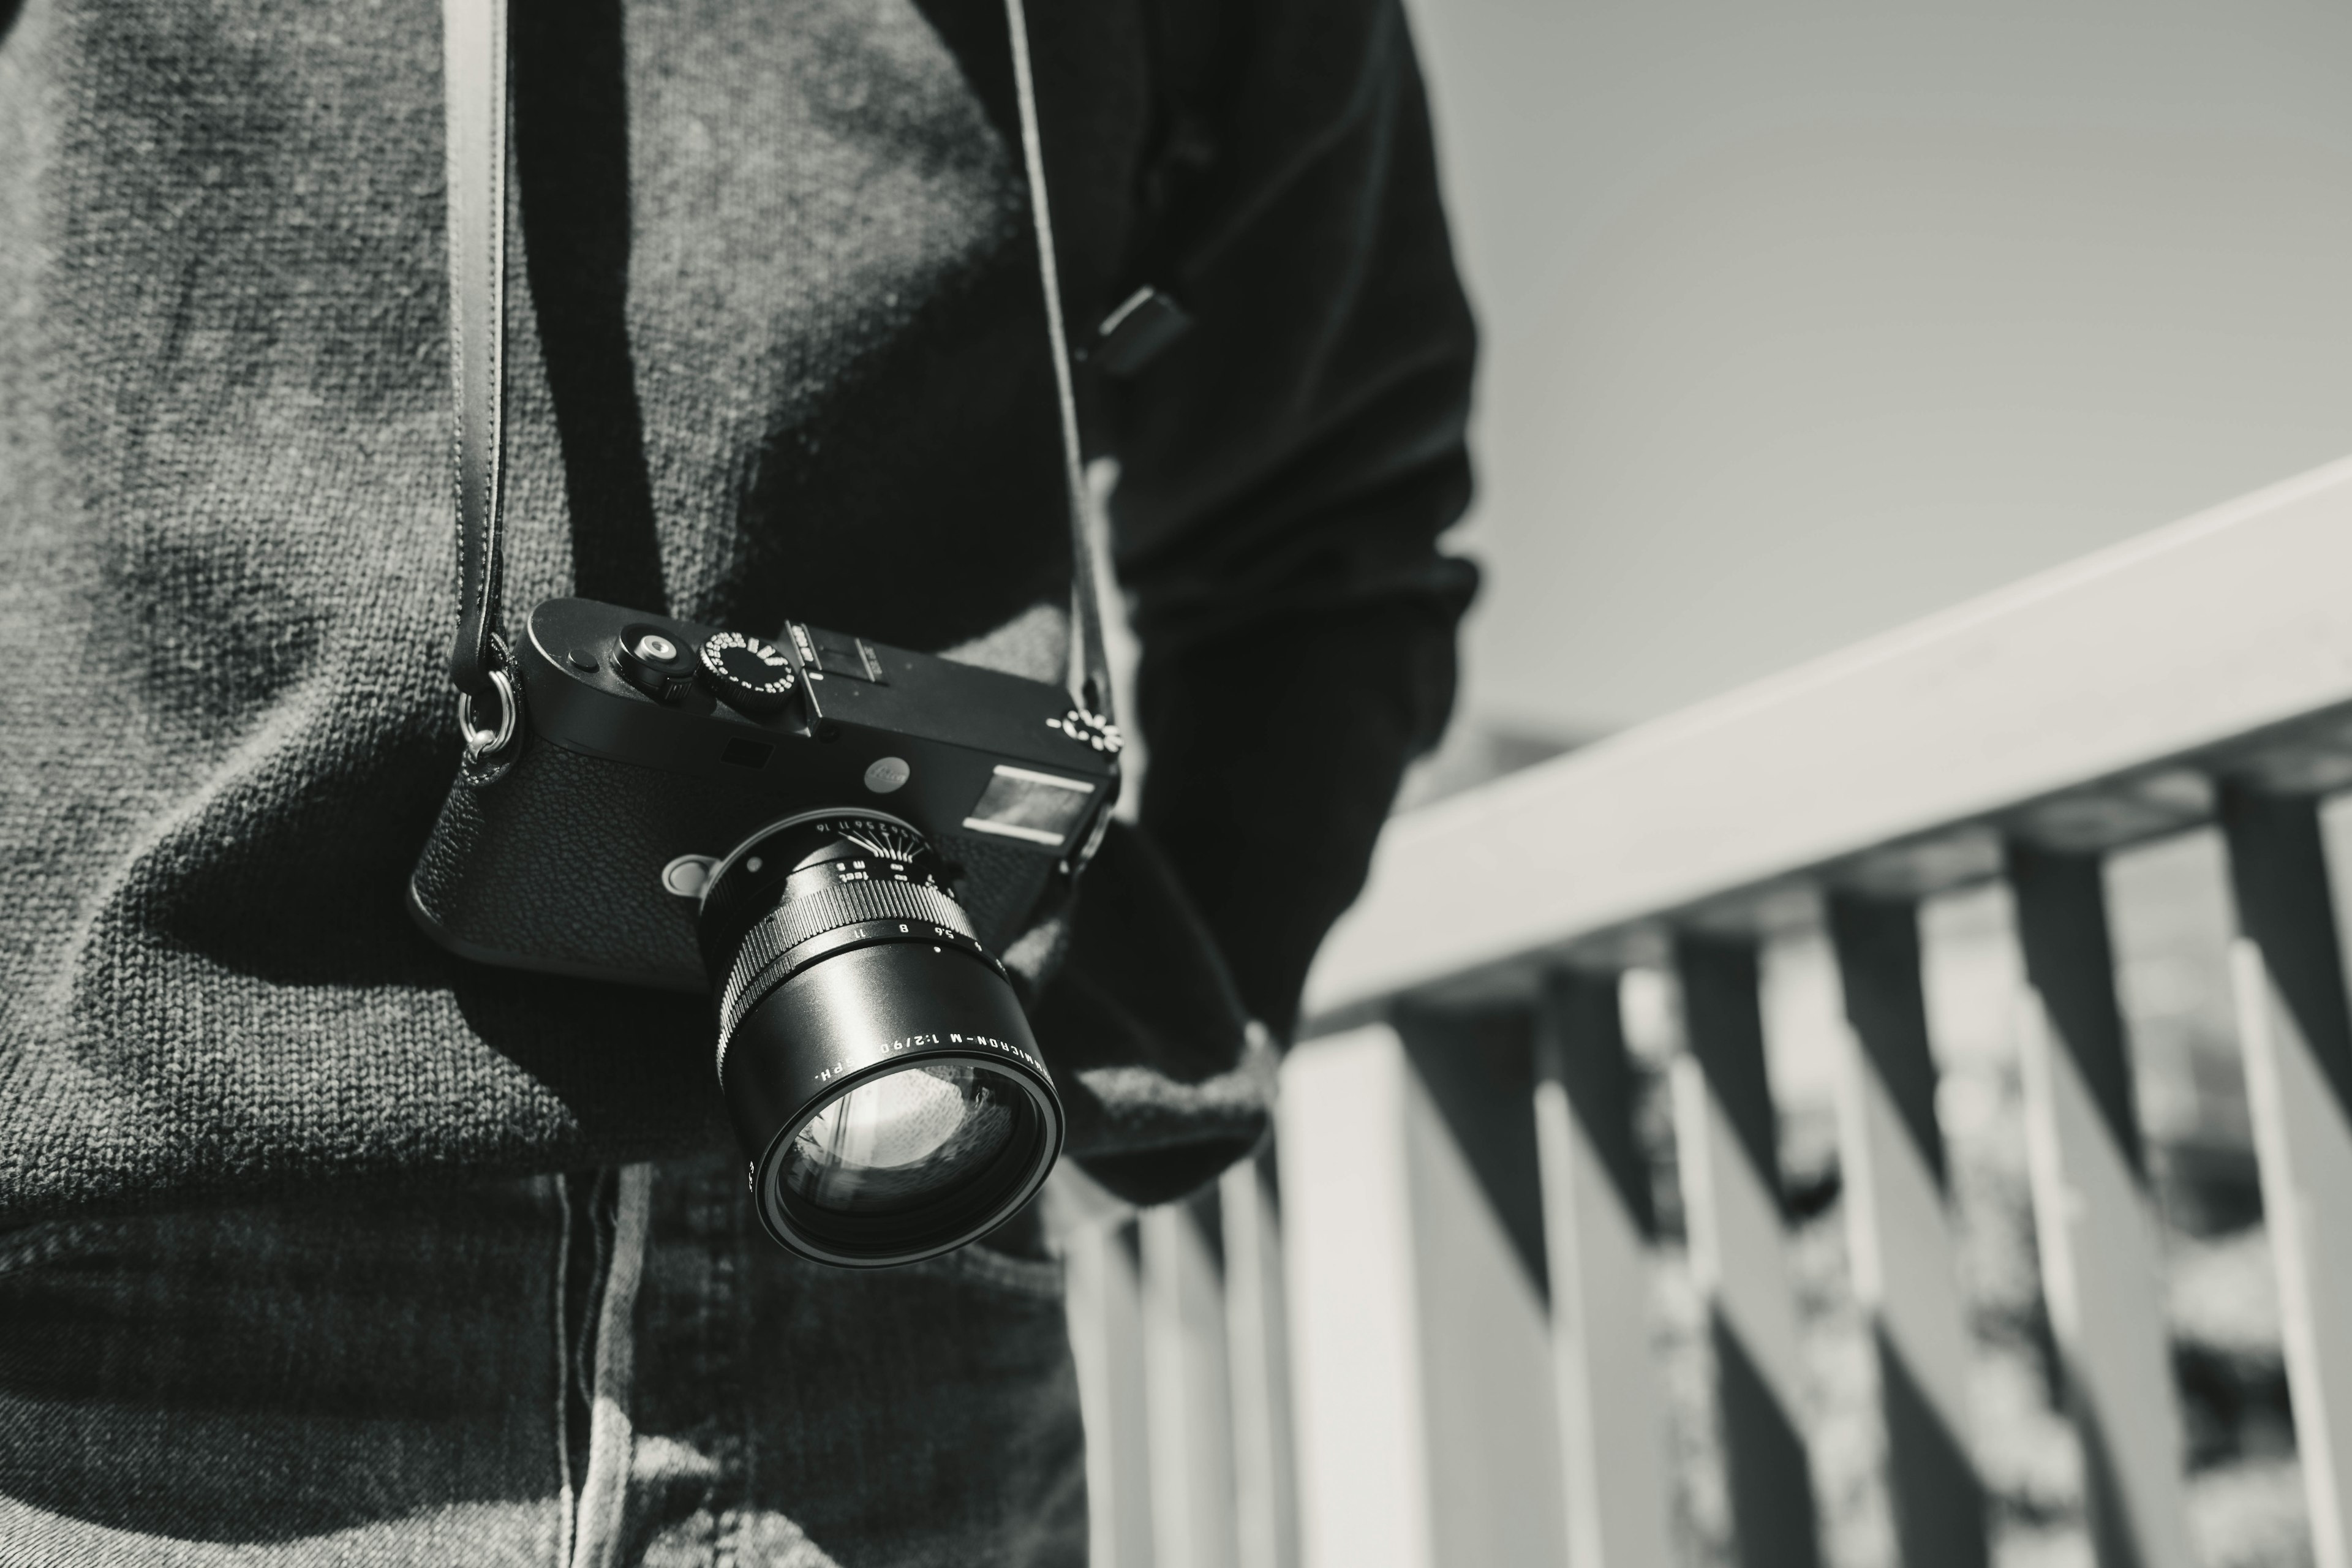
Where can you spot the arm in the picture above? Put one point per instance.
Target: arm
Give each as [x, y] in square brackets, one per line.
[1287, 468]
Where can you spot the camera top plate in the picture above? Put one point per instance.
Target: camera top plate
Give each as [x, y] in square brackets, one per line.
[953, 748]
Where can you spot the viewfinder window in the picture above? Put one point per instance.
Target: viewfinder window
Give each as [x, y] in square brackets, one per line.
[1041, 808]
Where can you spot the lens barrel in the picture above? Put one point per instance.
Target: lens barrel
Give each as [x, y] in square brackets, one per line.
[877, 1065]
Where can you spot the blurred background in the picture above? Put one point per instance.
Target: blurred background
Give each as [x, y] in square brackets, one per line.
[1802, 323]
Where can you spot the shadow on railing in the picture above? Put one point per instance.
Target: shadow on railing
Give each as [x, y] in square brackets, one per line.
[1644, 1183]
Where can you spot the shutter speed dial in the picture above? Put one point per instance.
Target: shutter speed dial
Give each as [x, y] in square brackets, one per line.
[748, 675]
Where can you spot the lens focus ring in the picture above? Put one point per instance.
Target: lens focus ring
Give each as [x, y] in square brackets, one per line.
[759, 958]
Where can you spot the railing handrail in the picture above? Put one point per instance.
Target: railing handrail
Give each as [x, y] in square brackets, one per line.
[2215, 628]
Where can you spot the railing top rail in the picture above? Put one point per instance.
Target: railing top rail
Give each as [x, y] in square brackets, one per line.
[2226, 626]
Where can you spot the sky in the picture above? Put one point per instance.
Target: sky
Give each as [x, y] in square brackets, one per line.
[1803, 321]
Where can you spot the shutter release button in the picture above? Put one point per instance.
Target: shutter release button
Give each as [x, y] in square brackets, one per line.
[652, 661]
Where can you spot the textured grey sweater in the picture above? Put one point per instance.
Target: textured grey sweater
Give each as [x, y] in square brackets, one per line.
[775, 350]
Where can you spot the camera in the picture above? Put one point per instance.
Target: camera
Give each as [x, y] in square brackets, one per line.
[832, 839]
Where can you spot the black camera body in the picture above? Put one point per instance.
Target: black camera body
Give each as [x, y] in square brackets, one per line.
[587, 853]
[833, 840]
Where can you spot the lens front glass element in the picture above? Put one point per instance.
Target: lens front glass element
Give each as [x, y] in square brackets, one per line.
[898, 1142]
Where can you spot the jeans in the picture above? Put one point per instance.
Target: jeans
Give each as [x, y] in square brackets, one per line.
[608, 1367]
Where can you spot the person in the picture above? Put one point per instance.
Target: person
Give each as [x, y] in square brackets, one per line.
[318, 1244]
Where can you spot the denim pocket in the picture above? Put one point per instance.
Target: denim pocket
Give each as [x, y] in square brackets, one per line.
[317, 1382]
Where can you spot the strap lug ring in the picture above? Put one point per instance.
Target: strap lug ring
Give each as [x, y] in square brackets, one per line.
[480, 740]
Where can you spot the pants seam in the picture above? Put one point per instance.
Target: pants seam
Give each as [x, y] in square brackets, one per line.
[602, 1514]
[562, 1424]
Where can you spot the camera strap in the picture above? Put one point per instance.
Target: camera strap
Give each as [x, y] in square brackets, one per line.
[474, 93]
[1088, 677]
[474, 46]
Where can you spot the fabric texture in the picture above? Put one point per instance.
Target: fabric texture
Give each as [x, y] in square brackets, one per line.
[774, 351]
[606, 1369]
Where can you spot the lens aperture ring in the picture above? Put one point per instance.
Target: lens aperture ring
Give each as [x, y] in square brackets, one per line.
[763, 957]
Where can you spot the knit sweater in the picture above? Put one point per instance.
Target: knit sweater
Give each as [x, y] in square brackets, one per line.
[774, 350]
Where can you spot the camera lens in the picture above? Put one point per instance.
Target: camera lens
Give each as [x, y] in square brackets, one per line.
[876, 1064]
[900, 1140]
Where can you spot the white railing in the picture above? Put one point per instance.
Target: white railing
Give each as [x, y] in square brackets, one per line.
[1461, 1331]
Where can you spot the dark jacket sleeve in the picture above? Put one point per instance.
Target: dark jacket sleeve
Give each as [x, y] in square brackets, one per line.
[1287, 468]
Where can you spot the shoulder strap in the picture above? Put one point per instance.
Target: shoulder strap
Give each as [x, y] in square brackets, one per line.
[1089, 679]
[474, 66]
[474, 38]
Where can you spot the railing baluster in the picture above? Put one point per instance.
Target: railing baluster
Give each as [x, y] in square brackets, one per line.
[1186, 1372]
[1265, 1492]
[1598, 1231]
[1428, 1436]
[2087, 709]
[1105, 1311]
[1895, 1190]
[1348, 1266]
[2101, 1268]
[2296, 1031]
[1726, 1142]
